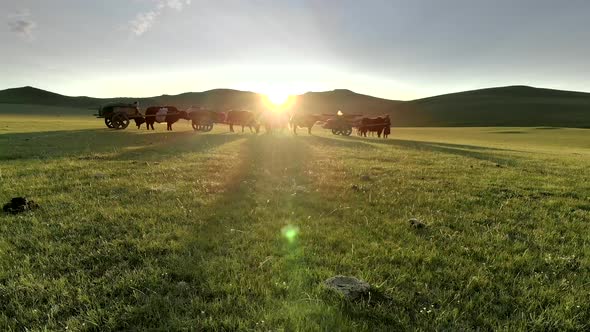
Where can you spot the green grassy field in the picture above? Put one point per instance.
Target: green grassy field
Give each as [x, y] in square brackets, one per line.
[146, 230]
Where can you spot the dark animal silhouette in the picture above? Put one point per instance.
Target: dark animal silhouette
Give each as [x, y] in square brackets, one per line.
[273, 120]
[387, 131]
[379, 125]
[206, 117]
[304, 121]
[139, 121]
[168, 114]
[242, 118]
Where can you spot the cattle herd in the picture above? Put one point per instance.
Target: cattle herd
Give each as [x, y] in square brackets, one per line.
[204, 119]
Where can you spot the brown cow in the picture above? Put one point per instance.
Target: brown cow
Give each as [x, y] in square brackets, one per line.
[242, 118]
[379, 125]
[304, 121]
[168, 114]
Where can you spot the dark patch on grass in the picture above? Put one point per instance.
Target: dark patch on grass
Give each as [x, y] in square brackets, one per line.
[509, 132]
[337, 142]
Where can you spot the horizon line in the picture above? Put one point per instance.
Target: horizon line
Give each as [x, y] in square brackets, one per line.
[323, 91]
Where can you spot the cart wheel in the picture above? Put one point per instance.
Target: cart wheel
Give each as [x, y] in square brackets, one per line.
[109, 122]
[334, 131]
[346, 132]
[195, 126]
[207, 128]
[120, 121]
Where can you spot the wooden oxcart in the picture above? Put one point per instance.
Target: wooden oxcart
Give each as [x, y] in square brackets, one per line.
[204, 119]
[118, 115]
[341, 124]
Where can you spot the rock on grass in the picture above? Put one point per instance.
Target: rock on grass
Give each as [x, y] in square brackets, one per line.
[350, 287]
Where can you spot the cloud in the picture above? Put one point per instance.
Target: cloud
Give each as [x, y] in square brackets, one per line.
[145, 20]
[22, 24]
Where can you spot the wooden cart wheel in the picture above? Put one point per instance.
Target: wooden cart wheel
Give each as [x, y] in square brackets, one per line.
[334, 131]
[108, 121]
[207, 128]
[120, 121]
[346, 131]
[195, 127]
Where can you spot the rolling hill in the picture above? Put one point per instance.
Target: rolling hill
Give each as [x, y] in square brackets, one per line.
[503, 106]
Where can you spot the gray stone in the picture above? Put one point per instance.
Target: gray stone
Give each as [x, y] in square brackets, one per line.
[350, 287]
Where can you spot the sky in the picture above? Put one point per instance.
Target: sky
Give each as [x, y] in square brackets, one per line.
[386, 48]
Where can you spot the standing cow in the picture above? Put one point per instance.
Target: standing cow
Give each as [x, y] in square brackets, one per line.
[379, 125]
[168, 114]
[304, 121]
[242, 118]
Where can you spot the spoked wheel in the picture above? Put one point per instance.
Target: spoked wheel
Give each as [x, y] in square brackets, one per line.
[195, 126]
[335, 131]
[109, 122]
[120, 121]
[346, 131]
[207, 128]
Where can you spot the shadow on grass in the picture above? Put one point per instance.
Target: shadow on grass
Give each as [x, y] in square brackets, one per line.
[174, 146]
[470, 151]
[98, 144]
[337, 142]
[509, 132]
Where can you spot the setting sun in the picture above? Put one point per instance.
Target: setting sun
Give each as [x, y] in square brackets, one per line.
[277, 99]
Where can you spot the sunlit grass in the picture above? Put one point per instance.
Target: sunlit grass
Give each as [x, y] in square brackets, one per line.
[219, 231]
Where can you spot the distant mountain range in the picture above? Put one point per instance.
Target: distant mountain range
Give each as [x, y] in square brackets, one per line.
[503, 106]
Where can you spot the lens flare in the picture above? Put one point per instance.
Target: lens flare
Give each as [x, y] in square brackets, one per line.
[290, 233]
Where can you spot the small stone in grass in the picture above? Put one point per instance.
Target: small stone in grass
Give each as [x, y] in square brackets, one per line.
[350, 287]
[417, 223]
[365, 177]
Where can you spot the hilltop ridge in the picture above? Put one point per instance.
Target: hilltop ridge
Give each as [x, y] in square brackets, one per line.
[516, 105]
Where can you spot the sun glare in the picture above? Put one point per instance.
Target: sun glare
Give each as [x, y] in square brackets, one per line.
[279, 101]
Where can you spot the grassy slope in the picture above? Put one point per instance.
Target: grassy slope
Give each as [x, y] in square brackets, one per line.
[507, 106]
[183, 231]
